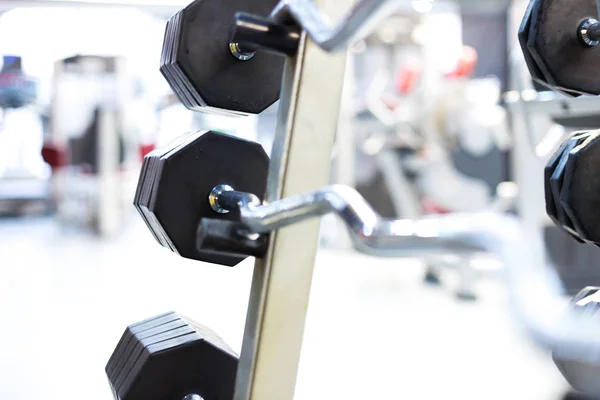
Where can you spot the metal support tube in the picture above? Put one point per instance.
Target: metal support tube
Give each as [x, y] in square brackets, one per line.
[300, 162]
[354, 26]
[275, 33]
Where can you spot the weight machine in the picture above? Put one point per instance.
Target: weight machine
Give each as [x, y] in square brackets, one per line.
[23, 176]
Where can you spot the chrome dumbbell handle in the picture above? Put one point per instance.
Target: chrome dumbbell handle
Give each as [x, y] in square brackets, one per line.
[370, 233]
[534, 288]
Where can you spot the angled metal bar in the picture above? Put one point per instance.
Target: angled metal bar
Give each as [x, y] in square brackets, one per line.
[354, 26]
[534, 288]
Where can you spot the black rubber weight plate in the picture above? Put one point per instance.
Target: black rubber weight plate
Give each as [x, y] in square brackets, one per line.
[127, 372]
[149, 181]
[551, 208]
[580, 195]
[556, 182]
[196, 362]
[123, 349]
[147, 186]
[144, 332]
[534, 70]
[140, 196]
[196, 102]
[220, 80]
[533, 32]
[125, 338]
[166, 67]
[572, 64]
[182, 83]
[547, 79]
[179, 338]
[187, 175]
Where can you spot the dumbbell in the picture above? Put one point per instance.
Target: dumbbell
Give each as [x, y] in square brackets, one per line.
[175, 183]
[582, 374]
[171, 357]
[178, 196]
[202, 198]
[198, 63]
[224, 56]
[572, 187]
[559, 40]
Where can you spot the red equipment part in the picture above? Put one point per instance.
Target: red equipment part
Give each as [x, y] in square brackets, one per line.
[465, 67]
[408, 77]
[54, 155]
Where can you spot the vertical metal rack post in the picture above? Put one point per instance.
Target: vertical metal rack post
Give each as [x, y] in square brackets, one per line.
[301, 158]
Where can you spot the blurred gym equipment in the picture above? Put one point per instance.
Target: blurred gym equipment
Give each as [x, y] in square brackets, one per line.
[437, 152]
[91, 151]
[23, 175]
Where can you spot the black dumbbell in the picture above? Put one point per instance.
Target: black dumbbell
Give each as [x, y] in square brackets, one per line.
[175, 183]
[559, 41]
[572, 187]
[210, 57]
[582, 374]
[171, 357]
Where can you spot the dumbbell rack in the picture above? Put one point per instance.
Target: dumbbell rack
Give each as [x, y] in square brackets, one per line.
[281, 284]
[301, 159]
[223, 217]
[300, 163]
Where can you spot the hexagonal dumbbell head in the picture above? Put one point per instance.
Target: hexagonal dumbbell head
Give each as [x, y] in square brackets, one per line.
[171, 357]
[580, 193]
[554, 41]
[523, 35]
[176, 181]
[200, 68]
[552, 208]
[557, 184]
[582, 374]
[546, 77]
[532, 60]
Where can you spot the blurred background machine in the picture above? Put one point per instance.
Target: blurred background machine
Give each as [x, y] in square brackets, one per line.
[23, 174]
[91, 147]
[428, 137]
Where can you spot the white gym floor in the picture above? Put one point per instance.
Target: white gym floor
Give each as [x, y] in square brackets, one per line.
[374, 330]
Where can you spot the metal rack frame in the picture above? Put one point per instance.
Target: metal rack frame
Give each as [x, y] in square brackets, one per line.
[301, 159]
